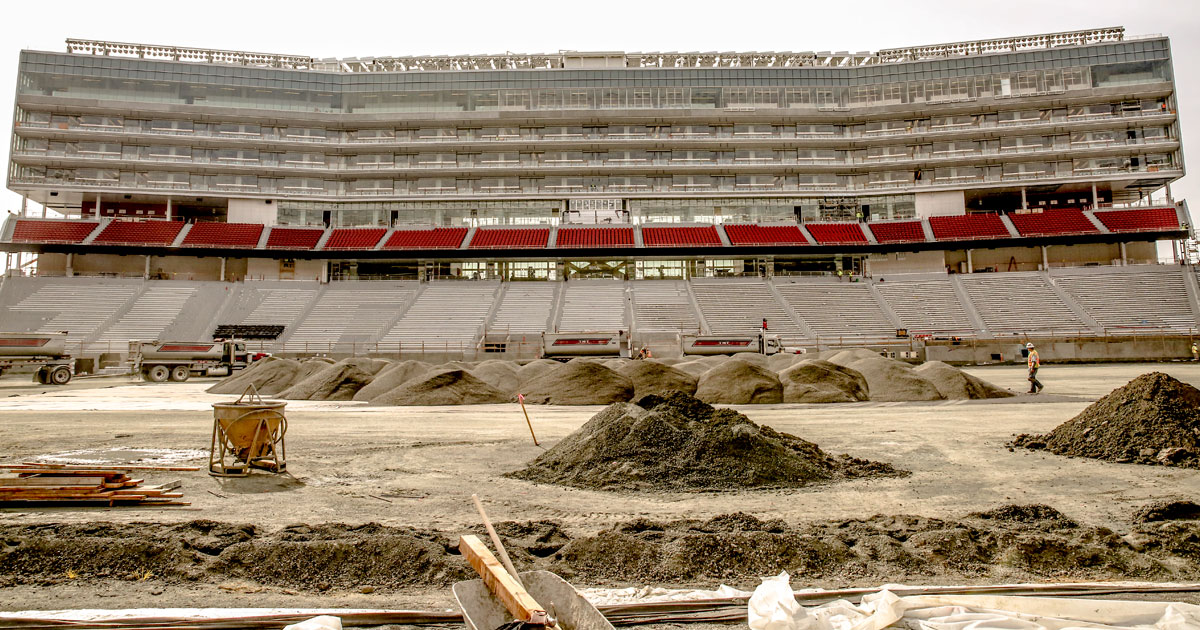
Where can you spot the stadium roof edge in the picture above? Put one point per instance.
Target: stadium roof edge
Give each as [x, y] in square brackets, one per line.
[568, 59]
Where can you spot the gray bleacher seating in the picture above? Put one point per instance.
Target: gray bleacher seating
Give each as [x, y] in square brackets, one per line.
[1124, 300]
[739, 306]
[445, 316]
[525, 308]
[663, 306]
[926, 306]
[1020, 301]
[593, 305]
[837, 308]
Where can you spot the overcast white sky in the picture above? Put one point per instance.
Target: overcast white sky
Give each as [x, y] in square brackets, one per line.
[369, 28]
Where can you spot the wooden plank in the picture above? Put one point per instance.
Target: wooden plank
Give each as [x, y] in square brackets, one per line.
[117, 468]
[50, 481]
[514, 597]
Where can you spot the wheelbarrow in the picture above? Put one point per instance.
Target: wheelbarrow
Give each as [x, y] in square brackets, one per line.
[533, 600]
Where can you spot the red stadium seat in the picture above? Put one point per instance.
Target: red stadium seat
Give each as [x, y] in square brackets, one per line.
[897, 231]
[31, 231]
[594, 237]
[968, 226]
[294, 238]
[1140, 220]
[705, 236]
[510, 238]
[139, 233]
[212, 234]
[354, 238]
[1052, 221]
[836, 233]
[742, 234]
[437, 238]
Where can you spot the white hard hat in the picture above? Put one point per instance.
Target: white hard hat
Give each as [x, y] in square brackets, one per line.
[1029, 345]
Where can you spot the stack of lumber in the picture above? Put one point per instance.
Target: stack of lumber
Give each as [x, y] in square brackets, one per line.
[69, 483]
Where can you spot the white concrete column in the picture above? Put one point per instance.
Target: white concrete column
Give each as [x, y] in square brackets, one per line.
[70, 265]
[1024, 201]
[970, 263]
[325, 272]
[168, 208]
[222, 269]
[1045, 258]
[1095, 203]
[146, 272]
[1124, 260]
[24, 205]
[1170, 199]
[97, 206]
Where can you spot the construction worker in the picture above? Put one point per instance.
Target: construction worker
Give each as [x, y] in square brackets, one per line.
[1195, 351]
[1034, 362]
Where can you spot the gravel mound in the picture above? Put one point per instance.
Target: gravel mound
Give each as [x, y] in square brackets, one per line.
[955, 384]
[695, 368]
[753, 358]
[1153, 419]
[817, 381]
[534, 369]
[578, 382]
[652, 377]
[445, 386]
[339, 381]
[738, 383]
[269, 376]
[678, 443]
[1168, 510]
[499, 374]
[782, 361]
[890, 380]
[392, 377]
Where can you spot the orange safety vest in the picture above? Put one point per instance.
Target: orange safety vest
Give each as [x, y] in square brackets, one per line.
[1034, 360]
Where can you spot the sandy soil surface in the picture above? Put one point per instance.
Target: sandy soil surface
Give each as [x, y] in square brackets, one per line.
[415, 467]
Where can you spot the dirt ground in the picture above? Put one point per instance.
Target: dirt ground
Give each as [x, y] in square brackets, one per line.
[415, 468]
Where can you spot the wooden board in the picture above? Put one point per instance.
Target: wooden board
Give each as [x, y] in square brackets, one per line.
[514, 596]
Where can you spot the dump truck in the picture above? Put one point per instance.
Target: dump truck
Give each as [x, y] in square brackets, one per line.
[567, 346]
[43, 353]
[759, 343]
[158, 361]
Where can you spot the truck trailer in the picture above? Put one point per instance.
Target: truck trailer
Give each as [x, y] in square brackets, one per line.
[158, 361]
[43, 353]
[759, 343]
[567, 346]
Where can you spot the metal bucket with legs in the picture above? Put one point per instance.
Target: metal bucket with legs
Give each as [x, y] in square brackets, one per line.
[247, 433]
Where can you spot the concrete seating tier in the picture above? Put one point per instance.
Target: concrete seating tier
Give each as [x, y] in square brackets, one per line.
[351, 313]
[510, 238]
[749, 234]
[1056, 221]
[80, 308]
[836, 233]
[1020, 302]
[155, 309]
[437, 238]
[593, 305]
[739, 306]
[447, 316]
[354, 238]
[968, 226]
[663, 306]
[930, 306]
[294, 238]
[701, 236]
[274, 305]
[897, 231]
[837, 309]
[1141, 220]
[32, 231]
[525, 309]
[594, 237]
[1132, 300]
[139, 233]
[213, 234]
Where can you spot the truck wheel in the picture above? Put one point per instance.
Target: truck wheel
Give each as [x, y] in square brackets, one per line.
[180, 373]
[40, 376]
[60, 375]
[157, 373]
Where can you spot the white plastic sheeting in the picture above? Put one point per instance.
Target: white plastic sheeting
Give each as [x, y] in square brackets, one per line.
[774, 607]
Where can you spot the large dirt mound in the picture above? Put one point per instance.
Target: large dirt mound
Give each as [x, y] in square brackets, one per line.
[499, 374]
[443, 387]
[534, 369]
[736, 382]
[392, 377]
[339, 381]
[579, 382]
[955, 384]
[677, 442]
[652, 377]
[269, 376]
[892, 381]
[1153, 419]
[817, 381]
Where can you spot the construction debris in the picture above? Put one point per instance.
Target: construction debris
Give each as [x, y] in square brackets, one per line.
[62, 483]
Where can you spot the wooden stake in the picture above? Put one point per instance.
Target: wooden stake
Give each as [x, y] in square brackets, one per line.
[487, 523]
[521, 399]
